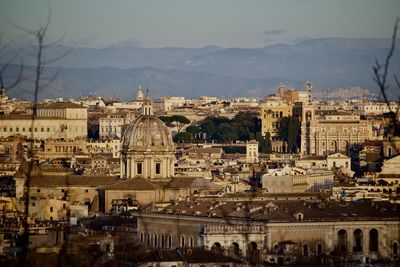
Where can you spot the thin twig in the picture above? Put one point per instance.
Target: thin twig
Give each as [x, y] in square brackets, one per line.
[381, 75]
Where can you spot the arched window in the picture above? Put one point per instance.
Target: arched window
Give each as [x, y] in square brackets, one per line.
[319, 249]
[147, 239]
[342, 240]
[373, 240]
[191, 241]
[235, 249]
[216, 247]
[162, 241]
[395, 248]
[155, 239]
[253, 256]
[182, 241]
[305, 250]
[150, 240]
[169, 243]
[358, 240]
[334, 146]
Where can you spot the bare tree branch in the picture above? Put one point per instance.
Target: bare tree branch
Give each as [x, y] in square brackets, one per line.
[40, 47]
[381, 75]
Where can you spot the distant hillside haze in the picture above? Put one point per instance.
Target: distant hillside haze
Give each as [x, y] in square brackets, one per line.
[116, 71]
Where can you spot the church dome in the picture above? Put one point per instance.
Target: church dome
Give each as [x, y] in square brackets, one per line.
[147, 133]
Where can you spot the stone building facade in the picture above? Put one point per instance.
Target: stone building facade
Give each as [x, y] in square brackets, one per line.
[259, 229]
[271, 113]
[52, 121]
[330, 133]
[252, 151]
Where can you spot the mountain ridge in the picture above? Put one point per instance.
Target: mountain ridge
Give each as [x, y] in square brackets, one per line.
[327, 62]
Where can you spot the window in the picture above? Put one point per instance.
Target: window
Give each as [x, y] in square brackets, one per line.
[305, 250]
[38, 190]
[158, 168]
[11, 129]
[48, 129]
[17, 129]
[5, 129]
[51, 209]
[169, 244]
[373, 240]
[162, 241]
[86, 190]
[23, 129]
[319, 249]
[42, 129]
[358, 241]
[139, 168]
[33, 204]
[155, 238]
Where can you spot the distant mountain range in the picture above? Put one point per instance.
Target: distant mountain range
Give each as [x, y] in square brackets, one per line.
[330, 63]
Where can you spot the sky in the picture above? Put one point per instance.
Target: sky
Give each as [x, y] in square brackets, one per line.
[189, 23]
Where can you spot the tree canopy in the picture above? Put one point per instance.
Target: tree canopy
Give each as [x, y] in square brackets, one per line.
[243, 127]
[178, 120]
[289, 131]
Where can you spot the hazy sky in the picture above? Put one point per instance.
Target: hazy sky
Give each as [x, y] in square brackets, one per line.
[186, 23]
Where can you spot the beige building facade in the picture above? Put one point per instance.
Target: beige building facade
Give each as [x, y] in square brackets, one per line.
[252, 151]
[52, 121]
[327, 134]
[271, 112]
[258, 229]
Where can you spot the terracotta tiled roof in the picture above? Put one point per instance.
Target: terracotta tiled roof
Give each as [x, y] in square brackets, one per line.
[314, 158]
[56, 105]
[192, 182]
[72, 180]
[208, 150]
[26, 117]
[132, 184]
[284, 210]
